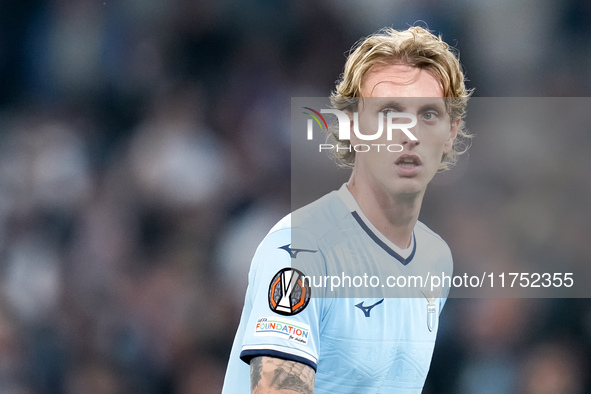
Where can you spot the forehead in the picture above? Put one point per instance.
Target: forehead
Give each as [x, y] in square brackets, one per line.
[398, 80]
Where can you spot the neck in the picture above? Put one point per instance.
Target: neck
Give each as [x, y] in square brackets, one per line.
[393, 215]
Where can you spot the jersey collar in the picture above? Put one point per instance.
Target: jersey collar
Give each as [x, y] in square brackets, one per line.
[403, 255]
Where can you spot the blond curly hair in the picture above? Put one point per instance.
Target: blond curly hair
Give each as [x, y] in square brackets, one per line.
[415, 47]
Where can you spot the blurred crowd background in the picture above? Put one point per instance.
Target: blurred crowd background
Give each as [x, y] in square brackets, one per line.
[145, 152]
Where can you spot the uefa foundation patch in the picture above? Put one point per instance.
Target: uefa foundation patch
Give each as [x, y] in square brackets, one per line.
[289, 293]
[271, 327]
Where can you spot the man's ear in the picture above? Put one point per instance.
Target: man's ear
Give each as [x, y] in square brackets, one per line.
[453, 133]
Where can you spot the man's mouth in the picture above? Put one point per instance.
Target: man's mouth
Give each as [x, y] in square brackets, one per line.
[408, 161]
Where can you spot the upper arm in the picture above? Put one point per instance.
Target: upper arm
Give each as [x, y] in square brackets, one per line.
[283, 317]
[270, 375]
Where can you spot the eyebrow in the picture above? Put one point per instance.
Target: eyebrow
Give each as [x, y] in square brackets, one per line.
[426, 107]
[394, 105]
[400, 107]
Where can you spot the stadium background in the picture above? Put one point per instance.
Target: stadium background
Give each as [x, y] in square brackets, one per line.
[144, 152]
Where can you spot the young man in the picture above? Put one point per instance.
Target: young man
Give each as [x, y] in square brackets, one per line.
[292, 341]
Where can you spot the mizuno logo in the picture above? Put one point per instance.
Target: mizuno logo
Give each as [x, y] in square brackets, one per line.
[367, 309]
[293, 253]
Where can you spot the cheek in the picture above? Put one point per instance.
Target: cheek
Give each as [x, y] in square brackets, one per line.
[436, 145]
[442, 139]
[369, 125]
[374, 159]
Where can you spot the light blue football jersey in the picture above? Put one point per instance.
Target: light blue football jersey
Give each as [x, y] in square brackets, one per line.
[365, 339]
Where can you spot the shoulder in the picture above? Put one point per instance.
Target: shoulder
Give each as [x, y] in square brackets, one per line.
[296, 240]
[316, 219]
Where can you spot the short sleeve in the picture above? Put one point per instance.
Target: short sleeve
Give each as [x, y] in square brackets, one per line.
[285, 317]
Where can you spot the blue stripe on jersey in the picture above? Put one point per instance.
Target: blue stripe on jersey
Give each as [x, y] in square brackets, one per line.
[383, 245]
[247, 355]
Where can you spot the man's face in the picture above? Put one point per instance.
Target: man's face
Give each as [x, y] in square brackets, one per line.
[401, 88]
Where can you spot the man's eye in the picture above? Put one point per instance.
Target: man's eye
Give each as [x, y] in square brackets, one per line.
[429, 116]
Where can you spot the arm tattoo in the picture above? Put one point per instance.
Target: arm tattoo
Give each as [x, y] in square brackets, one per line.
[274, 373]
[256, 368]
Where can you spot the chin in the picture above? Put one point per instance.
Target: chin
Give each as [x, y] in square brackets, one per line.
[407, 186]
